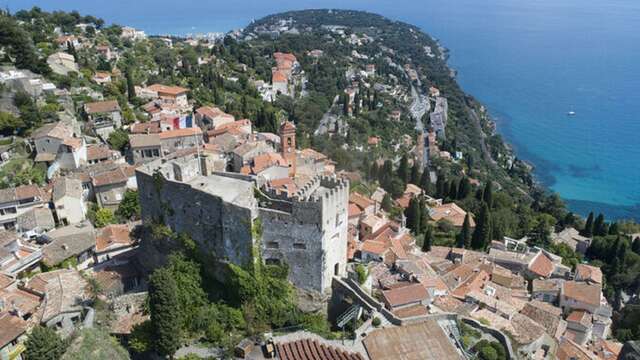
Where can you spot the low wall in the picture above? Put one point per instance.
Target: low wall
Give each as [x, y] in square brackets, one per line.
[502, 337]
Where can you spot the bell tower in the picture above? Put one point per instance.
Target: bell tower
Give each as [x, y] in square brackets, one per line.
[287, 134]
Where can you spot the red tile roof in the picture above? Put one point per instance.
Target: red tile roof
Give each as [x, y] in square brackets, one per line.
[113, 236]
[309, 349]
[588, 273]
[101, 107]
[180, 133]
[405, 295]
[583, 292]
[167, 90]
[541, 265]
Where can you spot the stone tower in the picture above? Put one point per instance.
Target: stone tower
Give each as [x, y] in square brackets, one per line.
[288, 145]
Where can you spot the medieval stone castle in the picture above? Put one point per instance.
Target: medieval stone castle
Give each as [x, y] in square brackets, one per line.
[231, 214]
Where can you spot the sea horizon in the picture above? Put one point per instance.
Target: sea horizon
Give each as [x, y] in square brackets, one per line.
[528, 63]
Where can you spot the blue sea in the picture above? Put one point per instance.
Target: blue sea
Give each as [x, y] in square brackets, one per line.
[530, 62]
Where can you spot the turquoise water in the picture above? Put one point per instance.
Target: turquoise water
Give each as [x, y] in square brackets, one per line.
[530, 62]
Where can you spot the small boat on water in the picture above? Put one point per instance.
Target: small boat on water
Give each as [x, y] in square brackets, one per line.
[571, 113]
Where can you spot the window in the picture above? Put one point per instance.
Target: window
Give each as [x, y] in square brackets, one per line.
[273, 245]
[272, 261]
[300, 246]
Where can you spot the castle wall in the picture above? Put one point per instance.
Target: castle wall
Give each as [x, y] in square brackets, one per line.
[220, 228]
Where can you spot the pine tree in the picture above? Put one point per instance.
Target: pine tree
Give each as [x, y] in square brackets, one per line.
[44, 343]
[482, 234]
[464, 238]
[487, 195]
[428, 239]
[345, 104]
[165, 312]
[599, 226]
[588, 226]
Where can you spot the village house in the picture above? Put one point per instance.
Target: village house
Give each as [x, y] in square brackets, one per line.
[66, 297]
[35, 222]
[245, 153]
[101, 77]
[113, 240]
[572, 238]
[144, 148]
[547, 315]
[97, 153]
[452, 213]
[410, 299]
[179, 139]
[16, 256]
[16, 201]
[48, 139]
[62, 63]
[546, 290]
[588, 273]
[14, 334]
[104, 117]
[579, 326]
[105, 52]
[174, 95]
[109, 186]
[210, 117]
[580, 296]
[72, 242]
[68, 201]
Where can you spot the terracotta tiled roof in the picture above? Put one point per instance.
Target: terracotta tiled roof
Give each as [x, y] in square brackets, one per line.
[212, 112]
[354, 210]
[405, 295]
[547, 315]
[541, 265]
[569, 350]
[451, 212]
[152, 127]
[263, 161]
[116, 176]
[28, 191]
[278, 77]
[12, 328]
[580, 316]
[310, 349]
[168, 90]
[113, 236]
[98, 151]
[588, 273]
[360, 200]
[180, 133]
[102, 107]
[583, 292]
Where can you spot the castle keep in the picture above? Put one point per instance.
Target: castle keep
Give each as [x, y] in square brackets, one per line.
[228, 214]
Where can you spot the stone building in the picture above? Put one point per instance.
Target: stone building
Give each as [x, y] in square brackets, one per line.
[226, 215]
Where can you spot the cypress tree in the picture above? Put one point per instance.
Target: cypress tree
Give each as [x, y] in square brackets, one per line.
[487, 195]
[599, 226]
[613, 229]
[482, 234]
[403, 169]
[414, 215]
[425, 182]
[414, 178]
[386, 202]
[464, 188]
[428, 240]
[165, 312]
[453, 190]
[131, 90]
[588, 226]
[440, 186]
[464, 238]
